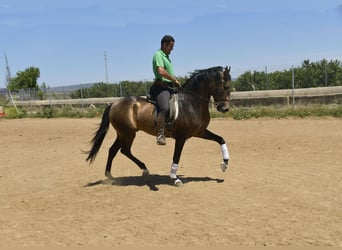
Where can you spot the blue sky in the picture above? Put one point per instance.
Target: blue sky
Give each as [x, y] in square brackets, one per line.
[67, 39]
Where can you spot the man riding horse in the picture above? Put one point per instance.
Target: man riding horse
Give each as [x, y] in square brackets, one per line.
[135, 113]
[164, 80]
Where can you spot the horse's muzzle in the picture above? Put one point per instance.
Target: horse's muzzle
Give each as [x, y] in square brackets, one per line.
[222, 108]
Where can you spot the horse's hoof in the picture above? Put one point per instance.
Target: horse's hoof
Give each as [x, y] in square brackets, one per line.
[177, 182]
[146, 174]
[109, 176]
[224, 166]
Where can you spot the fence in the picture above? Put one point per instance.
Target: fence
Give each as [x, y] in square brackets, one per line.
[320, 95]
[39, 94]
[286, 97]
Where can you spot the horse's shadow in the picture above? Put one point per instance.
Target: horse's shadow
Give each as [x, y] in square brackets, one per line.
[152, 182]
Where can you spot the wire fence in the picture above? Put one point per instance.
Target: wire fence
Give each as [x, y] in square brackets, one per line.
[41, 94]
[82, 91]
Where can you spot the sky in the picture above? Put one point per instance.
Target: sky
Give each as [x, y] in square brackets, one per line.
[68, 39]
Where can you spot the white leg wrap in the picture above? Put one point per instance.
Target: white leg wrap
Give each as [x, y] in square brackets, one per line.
[225, 152]
[173, 172]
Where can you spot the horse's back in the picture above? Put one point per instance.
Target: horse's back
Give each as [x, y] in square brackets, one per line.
[133, 112]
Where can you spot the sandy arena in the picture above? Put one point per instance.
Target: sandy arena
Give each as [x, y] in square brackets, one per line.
[283, 186]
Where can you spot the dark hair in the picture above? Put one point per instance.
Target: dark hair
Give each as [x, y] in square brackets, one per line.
[167, 39]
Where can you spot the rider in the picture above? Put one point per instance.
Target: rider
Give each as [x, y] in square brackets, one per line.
[164, 79]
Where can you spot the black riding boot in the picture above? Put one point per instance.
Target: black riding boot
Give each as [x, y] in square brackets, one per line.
[161, 140]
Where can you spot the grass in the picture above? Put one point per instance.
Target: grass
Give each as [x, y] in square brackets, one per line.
[282, 112]
[237, 113]
[67, 111]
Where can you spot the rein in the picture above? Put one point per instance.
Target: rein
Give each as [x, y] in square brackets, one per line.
[201, 97]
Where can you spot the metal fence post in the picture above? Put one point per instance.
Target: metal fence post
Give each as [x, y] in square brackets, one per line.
[293, 86]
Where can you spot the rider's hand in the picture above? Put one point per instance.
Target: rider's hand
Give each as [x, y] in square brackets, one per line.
[176, 82]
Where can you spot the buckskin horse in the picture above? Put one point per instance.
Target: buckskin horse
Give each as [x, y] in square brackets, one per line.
[133, 113]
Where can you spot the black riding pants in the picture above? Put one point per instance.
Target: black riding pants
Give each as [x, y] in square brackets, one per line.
[162, 96]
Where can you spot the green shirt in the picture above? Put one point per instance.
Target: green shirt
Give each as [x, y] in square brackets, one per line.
[160, 59]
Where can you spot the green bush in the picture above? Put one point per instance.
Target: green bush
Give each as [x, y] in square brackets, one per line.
[240, 113]
[12, 113]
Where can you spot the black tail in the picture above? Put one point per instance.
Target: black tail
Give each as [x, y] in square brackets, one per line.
[99, 135]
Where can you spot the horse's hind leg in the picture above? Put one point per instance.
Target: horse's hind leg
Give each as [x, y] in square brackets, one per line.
[126, 150]
[111, 154]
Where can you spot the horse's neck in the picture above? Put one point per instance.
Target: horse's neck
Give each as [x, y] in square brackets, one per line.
[198, 96]
[199, 90]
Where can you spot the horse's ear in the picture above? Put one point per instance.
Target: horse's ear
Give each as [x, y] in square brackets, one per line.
[227, 73]
[227, 70]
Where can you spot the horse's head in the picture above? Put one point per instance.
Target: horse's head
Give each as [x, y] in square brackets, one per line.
[213, 82]
[221, 90]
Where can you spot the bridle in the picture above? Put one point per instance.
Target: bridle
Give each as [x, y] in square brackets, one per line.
[203, 98]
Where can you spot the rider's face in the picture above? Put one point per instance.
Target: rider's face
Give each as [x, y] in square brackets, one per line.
[168, 47]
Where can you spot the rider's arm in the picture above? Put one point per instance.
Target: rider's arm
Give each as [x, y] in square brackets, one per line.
[166, 75]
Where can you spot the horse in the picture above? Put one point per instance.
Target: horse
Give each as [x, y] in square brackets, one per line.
[134, 113]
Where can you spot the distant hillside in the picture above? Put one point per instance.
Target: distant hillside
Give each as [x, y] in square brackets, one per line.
[71, 88]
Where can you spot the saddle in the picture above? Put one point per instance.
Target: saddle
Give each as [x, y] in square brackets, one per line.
[173, 108]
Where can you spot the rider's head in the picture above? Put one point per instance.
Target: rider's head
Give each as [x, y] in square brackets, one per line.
[167, 44]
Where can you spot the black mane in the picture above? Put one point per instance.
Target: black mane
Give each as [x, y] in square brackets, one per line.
[201, 74]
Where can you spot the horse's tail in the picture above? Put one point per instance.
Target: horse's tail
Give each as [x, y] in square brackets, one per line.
[99, 135]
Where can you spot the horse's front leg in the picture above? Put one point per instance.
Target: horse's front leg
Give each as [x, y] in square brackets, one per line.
[176, 157]
[224, 149]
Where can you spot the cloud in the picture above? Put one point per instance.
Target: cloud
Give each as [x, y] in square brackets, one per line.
[10, 23]
[339, 8]
[4, 6]
[120, 13]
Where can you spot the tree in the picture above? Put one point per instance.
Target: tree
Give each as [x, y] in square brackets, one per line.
[308, 75]
[251, 81]
[26, 79]
[281, 79]
[42, 91]
[126, 88]
[244, 82]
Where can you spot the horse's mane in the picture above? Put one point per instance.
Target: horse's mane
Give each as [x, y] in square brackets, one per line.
[201, 74]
